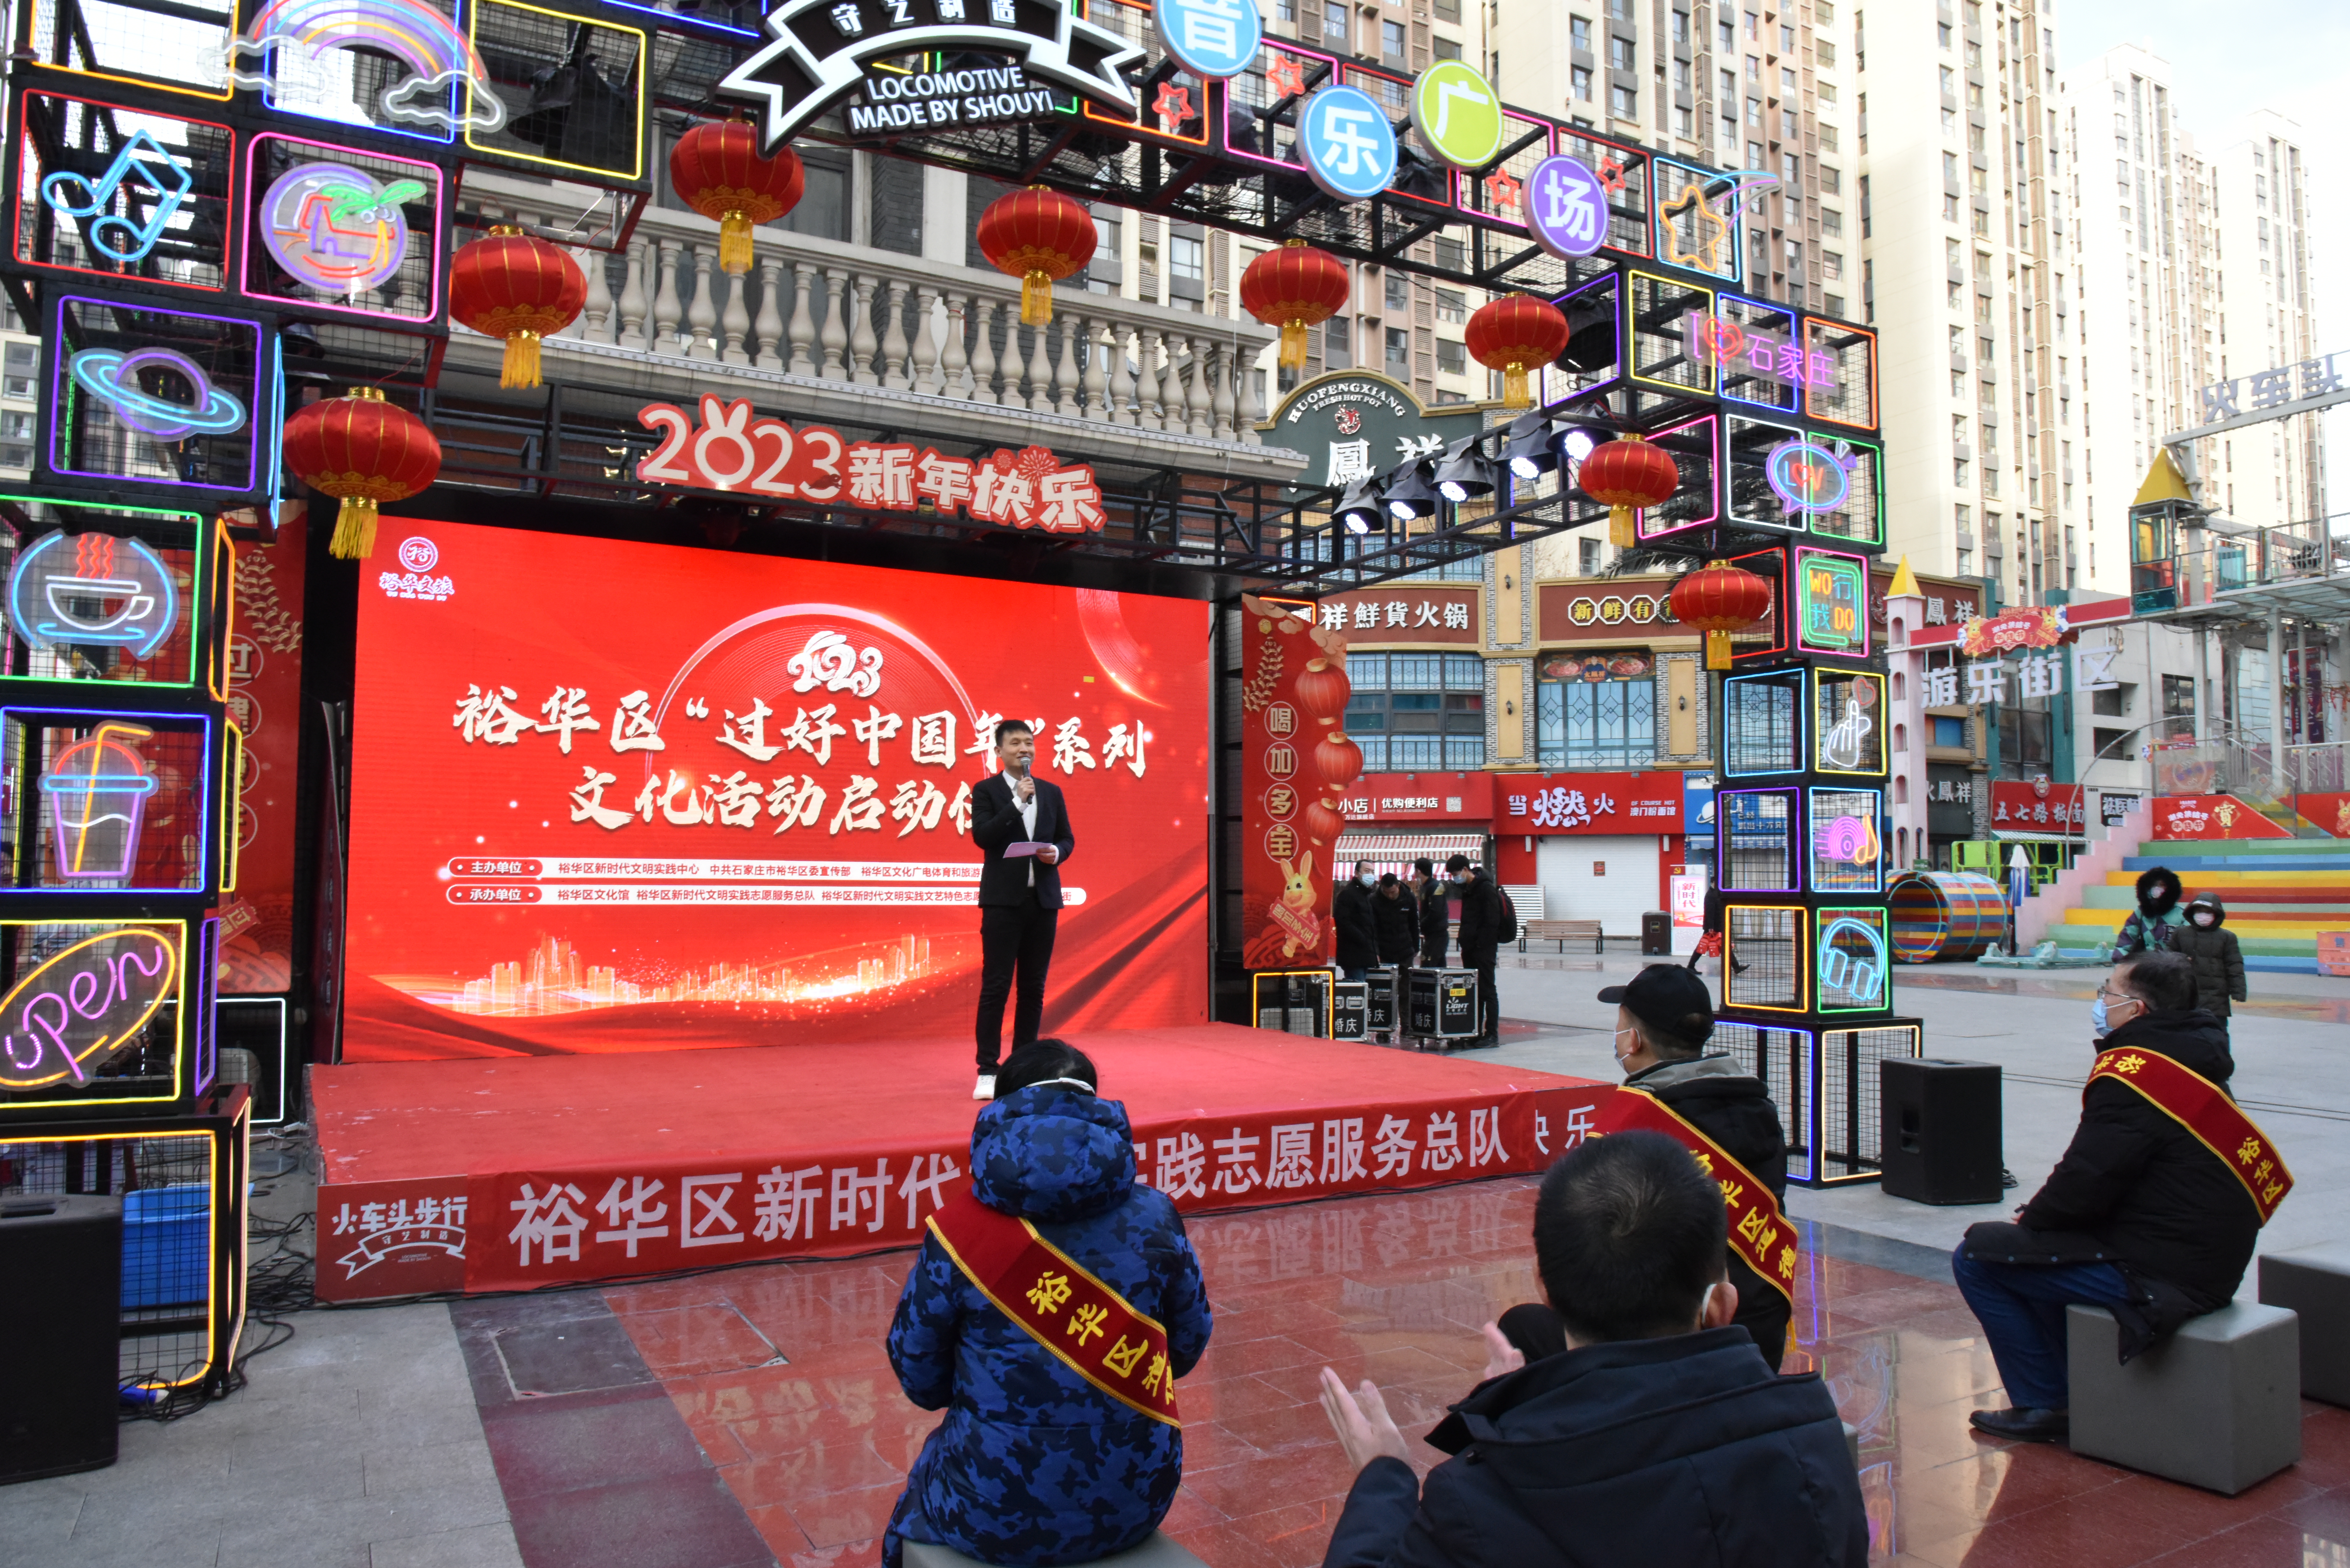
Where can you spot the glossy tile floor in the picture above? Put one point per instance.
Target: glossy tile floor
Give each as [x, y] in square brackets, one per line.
[780, 1380]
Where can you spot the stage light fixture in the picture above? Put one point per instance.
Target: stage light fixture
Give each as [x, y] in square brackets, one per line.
[1528, 448]
[1466, 472]
[1576, 445]
[1359, 507]
[1590, 334]
[1410, 492]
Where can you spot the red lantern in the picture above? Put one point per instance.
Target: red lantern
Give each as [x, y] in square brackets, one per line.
[1323, 826]
[1624, 474]
[1039, 236]
[1338, 760]
[1294, 288]
[716, 168]
[1718, 599]
[1324, 689]
[1517, 334]
[363, 451]
[514, 286]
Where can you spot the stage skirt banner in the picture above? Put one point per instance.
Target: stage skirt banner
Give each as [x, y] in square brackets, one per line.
[615, 796]
[1296, 765]
[518, 1230]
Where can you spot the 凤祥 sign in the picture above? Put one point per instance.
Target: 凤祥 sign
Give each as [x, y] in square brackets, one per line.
[731, 451]
[821, 53]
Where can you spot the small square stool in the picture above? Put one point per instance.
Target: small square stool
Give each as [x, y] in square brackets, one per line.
[2315, 1282]
[1159, 1552]
[2217, 1406]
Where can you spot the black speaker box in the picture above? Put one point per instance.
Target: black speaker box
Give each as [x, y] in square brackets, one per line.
[62, 1311]
[1941, 1130]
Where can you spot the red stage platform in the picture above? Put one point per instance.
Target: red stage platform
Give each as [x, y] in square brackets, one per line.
[510, 1174]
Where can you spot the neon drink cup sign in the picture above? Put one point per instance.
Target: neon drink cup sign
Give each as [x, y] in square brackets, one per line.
[97, 791]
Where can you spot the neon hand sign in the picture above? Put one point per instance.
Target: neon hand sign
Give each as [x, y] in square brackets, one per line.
[108, 375]
[85, 1006]
[116, 237]
[97, 791]
[92, 589]
[332, 228]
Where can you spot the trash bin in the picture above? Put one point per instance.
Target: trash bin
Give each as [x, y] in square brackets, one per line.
[1656, 934]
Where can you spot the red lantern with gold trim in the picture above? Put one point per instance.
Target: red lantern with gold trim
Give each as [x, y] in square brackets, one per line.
[1718, 599]
[1338, 758]
[1627, 474]
[1039, 236]
[1324, 824]
[362, 451]
[514, 286]
[716, 168]
[1324, 689]
[1295, 288]
[1516, 334]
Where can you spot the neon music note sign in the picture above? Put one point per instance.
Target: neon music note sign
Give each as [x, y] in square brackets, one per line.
[77, 196]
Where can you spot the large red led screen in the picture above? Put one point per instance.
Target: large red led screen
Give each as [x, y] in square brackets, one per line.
[611, 796]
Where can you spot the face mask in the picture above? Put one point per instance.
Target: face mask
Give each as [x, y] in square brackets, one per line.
[2097, 1018]
[1462, 877]
[1621, 1060]
[1368, 880]
[2207, 922]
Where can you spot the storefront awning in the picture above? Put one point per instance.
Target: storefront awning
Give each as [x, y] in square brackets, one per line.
[1354, 847]
[2017, 835]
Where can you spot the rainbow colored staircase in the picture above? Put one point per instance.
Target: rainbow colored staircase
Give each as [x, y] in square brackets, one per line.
[2280, 893]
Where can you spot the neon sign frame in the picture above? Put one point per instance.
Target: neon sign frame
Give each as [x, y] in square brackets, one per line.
[27, 723]
[1725, 813]
[1827, 922]
[262, 414]
[24, 230]
[1823, 725]
[37, 633]
[15, 1071]
[1800, 924]
[264, 234]
[1826, 814]
[1852, 573]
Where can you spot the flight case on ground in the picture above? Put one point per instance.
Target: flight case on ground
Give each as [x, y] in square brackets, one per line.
[1439, 1005]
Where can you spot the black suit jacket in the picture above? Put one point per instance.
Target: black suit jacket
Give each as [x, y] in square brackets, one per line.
[995, 825]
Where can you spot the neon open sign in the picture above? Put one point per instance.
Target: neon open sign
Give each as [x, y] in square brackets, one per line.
[85, 1006]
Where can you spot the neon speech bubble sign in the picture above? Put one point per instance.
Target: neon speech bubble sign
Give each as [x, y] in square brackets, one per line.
[112, 377]
[85, 1006]
[111, 235]
[334, 229]
[92, 589]
[97, 790]
[1808, 478]
[427, 42]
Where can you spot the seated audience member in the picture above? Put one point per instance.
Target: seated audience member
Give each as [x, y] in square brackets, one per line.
[1034, 1464]
[1658, 1438]
[2141, 1215]
[1664, 1019]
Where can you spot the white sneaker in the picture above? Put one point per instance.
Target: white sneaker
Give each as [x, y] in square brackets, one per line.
[985, 1088]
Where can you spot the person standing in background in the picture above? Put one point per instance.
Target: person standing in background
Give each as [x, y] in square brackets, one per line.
[1358, 926]
[1481, 941]
[2157, 919]
[1396, 913]
[2218, 957]
[1019, 895]
[1432, 894]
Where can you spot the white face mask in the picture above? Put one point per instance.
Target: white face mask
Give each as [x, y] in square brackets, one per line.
[1705, 1304]
[2207, 920]
[1621, 1059]
[1368, 878]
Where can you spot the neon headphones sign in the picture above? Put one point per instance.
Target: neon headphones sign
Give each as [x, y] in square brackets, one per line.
[85, 1006]
[92, 591]
[1851, 960]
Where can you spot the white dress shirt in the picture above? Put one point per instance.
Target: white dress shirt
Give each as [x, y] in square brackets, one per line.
[1027, 810]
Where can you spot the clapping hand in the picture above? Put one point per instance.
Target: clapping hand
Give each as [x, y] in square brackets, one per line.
[1501, 1357]
[1364, 1429]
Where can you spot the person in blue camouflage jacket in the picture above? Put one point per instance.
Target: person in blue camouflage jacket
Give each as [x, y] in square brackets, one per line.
[1033, 1466]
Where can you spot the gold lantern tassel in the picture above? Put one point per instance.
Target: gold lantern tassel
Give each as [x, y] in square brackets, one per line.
[1036, 299]
[1293, 343]
[1620, 531]
[733, 244]
[354, 537]
[520, 365]
[1514, 392]
[1717, 650]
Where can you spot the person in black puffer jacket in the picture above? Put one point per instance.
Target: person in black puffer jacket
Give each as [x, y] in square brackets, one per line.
[1658, 1438]
[2212, 949]
[1034, 1465]
[2150, 927]
[1664, 1020]
[1357, 922]
[1434, 894]
[1481, 944]
[1397, 915]
[2139, 1217]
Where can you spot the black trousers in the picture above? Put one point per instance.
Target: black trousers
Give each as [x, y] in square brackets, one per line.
[1489, 1001]
[1015, 947]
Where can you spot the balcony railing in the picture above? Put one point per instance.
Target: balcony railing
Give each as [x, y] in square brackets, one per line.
[857, 335]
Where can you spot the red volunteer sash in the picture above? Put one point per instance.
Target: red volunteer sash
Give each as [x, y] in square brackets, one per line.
[1757, 1232]
[2203, 1108]
[1089, 1325]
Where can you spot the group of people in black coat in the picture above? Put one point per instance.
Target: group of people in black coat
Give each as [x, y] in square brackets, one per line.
[1385, 919]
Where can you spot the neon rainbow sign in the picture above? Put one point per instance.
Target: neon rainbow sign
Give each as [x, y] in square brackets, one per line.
[436, 55]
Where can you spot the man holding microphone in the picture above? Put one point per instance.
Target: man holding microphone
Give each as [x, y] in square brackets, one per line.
[1021, 824]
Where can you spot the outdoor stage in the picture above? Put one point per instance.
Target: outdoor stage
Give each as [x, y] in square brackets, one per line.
[515, 1173]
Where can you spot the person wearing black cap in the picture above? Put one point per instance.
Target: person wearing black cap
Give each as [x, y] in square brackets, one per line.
[1664, 1019]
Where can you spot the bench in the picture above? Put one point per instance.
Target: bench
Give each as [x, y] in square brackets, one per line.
[2217, 1405]
[2314, 1283]
[1159, 1552]
[1559, 931]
